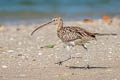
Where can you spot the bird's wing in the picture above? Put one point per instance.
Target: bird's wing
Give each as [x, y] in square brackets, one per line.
[81, 33]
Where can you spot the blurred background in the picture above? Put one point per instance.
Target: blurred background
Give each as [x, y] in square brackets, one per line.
[15, 10]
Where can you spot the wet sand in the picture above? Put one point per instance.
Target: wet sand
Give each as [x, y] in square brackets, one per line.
[21, 57]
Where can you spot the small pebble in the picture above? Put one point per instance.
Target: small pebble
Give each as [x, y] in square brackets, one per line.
[34, 60]
[115, 37]
[38, 37]
[115, 79]
[77, 62]
[109, 70]
[103, 43]
[19, 43]
[110, 52]
[19, 54]
[57, 48]
[19, 64]
[39, 54]
[50, 55]
[73, 73]
[3, 52]
[110, 48]
[10, 51]
[23, 57]
[4, 66]
[42, 40]
[78, 53]
[11, 39]
[22, 75]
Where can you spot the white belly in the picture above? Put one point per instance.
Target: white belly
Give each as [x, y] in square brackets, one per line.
[76, 42]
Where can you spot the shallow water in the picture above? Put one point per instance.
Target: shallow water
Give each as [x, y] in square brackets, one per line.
[10, 10]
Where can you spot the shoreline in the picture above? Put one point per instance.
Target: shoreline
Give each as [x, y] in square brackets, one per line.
[40, 20]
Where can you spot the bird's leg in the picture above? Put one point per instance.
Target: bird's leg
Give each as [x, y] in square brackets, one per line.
[68, 52]
[86, 54]
[68, 55]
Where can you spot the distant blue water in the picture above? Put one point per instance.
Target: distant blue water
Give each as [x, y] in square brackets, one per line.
[36, 9]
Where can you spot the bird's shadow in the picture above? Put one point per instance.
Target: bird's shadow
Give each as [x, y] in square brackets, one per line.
[77, 67]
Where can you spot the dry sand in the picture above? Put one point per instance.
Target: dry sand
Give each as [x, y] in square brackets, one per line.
[21, 57]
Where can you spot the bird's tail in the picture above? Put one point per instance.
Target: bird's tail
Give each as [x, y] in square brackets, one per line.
[105, 34]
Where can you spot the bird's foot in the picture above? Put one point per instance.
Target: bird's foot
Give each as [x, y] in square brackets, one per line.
[59, 63]
[87, 67]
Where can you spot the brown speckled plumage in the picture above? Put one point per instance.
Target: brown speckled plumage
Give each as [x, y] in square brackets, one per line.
[67, 34]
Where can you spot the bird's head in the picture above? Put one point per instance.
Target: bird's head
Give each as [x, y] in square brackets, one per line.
[56, 20]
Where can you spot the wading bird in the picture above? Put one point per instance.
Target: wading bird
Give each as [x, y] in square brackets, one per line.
[72, 36]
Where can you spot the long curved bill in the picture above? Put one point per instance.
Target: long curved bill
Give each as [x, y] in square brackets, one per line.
[41, 27]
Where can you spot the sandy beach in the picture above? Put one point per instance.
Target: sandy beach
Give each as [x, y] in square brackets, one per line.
[22, 58]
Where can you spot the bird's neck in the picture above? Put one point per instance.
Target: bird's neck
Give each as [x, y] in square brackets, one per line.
[60, 25]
